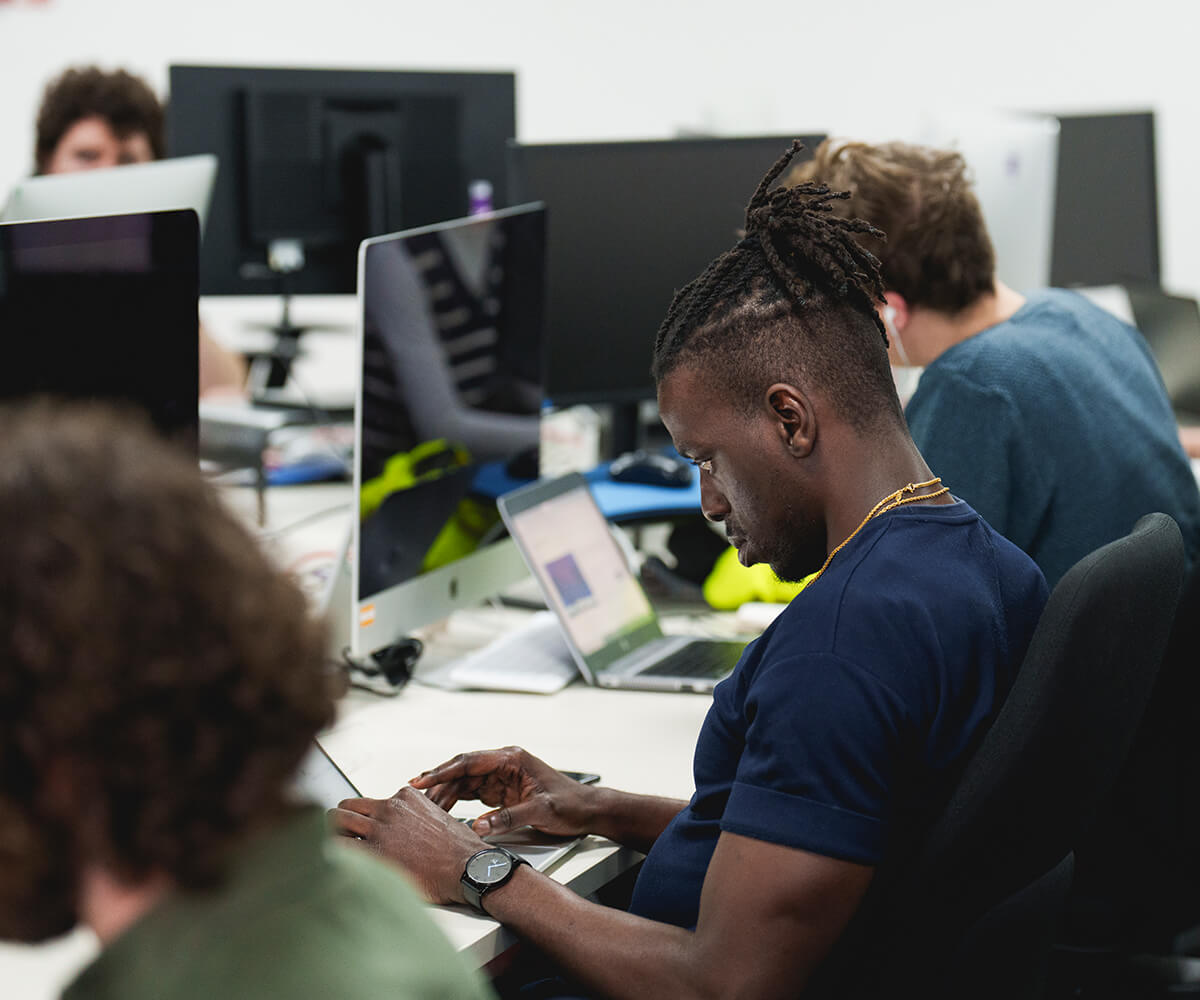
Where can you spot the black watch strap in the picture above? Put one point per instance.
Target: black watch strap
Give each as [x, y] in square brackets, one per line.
[474, 889]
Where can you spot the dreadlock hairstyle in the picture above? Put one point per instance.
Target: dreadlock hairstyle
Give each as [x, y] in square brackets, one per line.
[795, 299]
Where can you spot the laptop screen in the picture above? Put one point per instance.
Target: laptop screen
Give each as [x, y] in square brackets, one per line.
[566, 541]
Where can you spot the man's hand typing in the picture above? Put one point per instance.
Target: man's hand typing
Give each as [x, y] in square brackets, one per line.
[523, 790]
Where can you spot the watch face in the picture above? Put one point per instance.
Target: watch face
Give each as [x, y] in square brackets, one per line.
[489, 867]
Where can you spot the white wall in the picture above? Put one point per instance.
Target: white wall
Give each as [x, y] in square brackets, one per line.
[642, 68]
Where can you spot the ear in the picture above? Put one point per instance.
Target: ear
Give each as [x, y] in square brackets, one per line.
[899, 307]
[794, 418]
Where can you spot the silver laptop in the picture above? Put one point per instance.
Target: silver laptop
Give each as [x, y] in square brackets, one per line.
[181, 182]
[321, 781]
[609, 623]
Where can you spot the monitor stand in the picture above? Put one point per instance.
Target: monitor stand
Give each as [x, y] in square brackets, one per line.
[270, 369]
[626, 428]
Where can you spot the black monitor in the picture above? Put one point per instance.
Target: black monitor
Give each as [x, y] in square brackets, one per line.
[1106, 201]
[104, 308]
[323, 158]
[1171, 326]
[629, 224]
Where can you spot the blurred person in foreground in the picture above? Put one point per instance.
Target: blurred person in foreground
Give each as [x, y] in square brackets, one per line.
[159, 684]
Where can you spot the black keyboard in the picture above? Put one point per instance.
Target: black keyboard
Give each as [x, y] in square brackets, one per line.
[698, 659]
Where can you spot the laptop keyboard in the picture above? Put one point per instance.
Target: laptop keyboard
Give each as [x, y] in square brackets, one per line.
[697, 659]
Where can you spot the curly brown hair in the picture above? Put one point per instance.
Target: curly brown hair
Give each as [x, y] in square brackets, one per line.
[125, 101]
[938, 253]
[160, 680]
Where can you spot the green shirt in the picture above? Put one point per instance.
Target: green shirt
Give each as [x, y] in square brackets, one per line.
[300, 916]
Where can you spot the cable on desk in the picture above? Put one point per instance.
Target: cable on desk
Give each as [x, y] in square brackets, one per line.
[321, 416]
[385, 671]
[267, 534]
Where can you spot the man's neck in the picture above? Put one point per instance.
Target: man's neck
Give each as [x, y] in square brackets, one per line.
[109, 906]
[929, 332]
[869, 470]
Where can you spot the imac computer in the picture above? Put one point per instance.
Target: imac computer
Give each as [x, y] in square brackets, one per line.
[1106, 203]
[183, 182]
[1012, 161]
[629, 224]
[104, 308]
[315, 160]
[447, 415]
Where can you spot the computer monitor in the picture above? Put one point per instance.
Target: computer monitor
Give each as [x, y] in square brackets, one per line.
[182, 182]
[1171, 326]
[629, 224]
[1106, 208]
[104, 308]
[447, 415]
[1011, 160]
[315, 160]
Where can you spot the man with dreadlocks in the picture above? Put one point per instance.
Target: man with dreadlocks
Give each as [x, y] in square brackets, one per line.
[1047, 414]
[839, 735]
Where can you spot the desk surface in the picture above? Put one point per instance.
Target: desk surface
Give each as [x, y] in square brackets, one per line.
[383, 742]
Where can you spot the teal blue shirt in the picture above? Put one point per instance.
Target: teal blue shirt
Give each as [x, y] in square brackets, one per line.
[301, 916]
[1055, 426]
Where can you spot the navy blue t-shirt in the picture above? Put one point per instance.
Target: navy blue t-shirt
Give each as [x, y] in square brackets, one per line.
[844, 726]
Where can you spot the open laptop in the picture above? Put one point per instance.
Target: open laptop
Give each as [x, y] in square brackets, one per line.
[607, 619]
[320, 780]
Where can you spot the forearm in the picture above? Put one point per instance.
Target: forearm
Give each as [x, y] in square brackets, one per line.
[633, 820]
[220, 368]
[769, 915]
[613, 952]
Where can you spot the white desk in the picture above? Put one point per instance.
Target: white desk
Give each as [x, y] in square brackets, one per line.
[636, 741]
[641, 742]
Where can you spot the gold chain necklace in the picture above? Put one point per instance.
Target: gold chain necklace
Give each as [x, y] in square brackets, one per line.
[889, 502]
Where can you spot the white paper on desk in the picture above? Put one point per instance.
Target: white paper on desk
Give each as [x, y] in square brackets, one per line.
[532, 658]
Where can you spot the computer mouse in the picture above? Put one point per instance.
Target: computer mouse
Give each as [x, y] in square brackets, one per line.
[523, 465]
[651, 468]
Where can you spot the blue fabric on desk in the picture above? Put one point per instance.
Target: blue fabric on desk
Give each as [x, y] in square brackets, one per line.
[617, 501]
[844, 726]
[312, 470]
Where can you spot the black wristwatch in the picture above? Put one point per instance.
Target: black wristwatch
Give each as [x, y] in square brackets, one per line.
[487, 870]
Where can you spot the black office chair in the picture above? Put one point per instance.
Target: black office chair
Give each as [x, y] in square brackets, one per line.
[1132, 923]
[976, 912]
